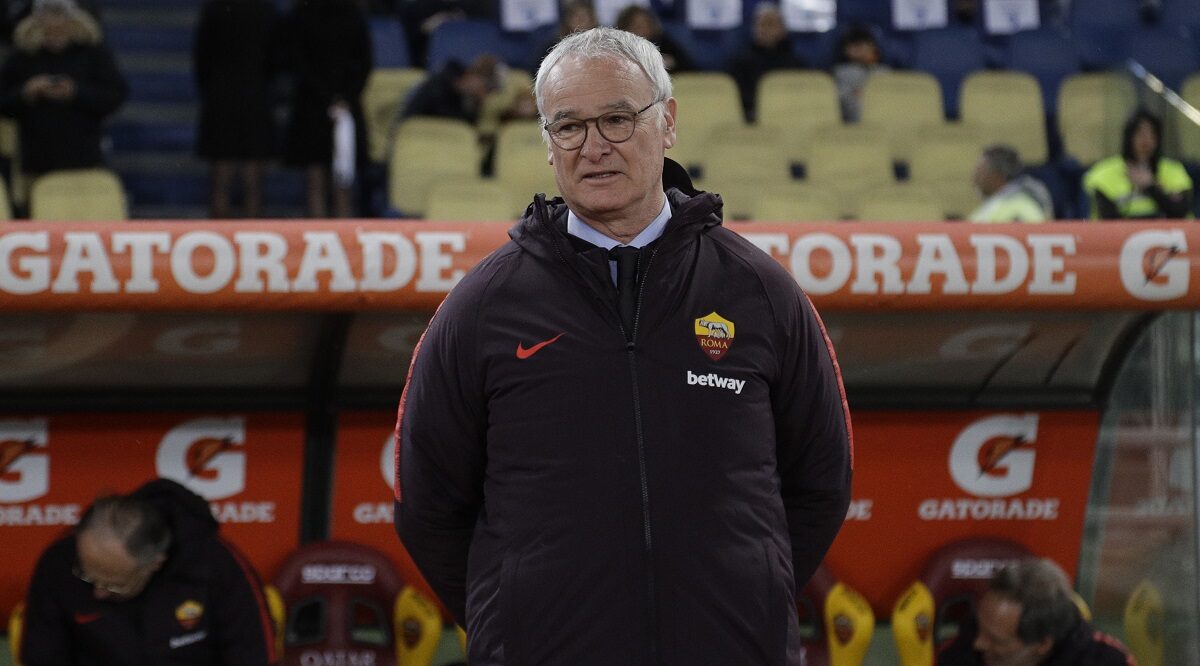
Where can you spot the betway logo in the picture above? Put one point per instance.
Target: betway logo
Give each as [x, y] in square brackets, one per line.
[716, 381]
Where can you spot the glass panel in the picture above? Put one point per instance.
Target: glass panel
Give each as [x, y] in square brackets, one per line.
[379, 346]
[1138, 565]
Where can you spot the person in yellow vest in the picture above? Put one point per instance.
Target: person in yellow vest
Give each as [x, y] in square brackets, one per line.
[1008, 195]
[1140, 182]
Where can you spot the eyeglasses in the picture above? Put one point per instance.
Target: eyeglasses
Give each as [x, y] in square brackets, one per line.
[614, 126]
[122, 590]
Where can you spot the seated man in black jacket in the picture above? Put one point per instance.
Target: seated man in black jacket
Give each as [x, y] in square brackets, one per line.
[1028, 617]
[145, 579]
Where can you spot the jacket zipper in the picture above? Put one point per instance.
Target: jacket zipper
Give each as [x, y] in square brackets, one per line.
[647, 543]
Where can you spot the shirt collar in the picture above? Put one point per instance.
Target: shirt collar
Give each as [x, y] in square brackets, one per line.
[580, 229]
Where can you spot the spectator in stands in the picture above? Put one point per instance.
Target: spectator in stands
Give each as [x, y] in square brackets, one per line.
[858, 57]
[643, 23]
[146, 578]
[12, 12]
[1028, 617]
[577, 16]
[456, 91]
[1008, 194]
[1140, 182]
[234, 61]
[421, 17]
[330, 48]
[60, 84]
[768, 50]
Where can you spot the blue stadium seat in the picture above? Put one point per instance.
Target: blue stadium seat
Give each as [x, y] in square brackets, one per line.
[949, 54]
[1101, 29]
[1048, 54]
[1168, 54]
[816, 49]
[865, 12]
[520, 48]
[1184, 13]
[463, 41]
[389, 47]
[710, 50]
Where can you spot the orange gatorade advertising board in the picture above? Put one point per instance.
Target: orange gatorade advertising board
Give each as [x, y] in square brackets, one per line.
[362, 489]
[248, 466]
[924, 479]
[365, 265]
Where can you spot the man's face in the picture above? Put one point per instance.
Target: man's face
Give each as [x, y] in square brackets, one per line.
[998, 642]
[107, 566]
[601, 181]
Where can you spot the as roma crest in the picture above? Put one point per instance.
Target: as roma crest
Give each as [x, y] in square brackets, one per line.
[188, 613]
[714, 333]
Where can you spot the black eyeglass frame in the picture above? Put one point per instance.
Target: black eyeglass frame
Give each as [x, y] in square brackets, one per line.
[596, 119]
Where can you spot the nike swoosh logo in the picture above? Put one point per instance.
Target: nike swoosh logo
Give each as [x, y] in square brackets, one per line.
[523, 353]
[86, 618]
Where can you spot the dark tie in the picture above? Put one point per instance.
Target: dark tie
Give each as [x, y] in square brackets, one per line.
[627, 266]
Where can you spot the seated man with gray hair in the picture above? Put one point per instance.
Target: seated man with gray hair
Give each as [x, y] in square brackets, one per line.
[1028, 617]
[1008, 194]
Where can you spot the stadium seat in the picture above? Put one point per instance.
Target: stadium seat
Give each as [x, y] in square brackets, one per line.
[278, 611]
[1100, 29]
[16, 624]
[798, 102]
[521, 162]
[898, 203]
[836, 622]
[1143, 621]
[473, 200]
[1092, 109]
[1165, 53]
[425, 150]
[792, 203]
[389, 46]
[865, 12]
[900, 104]
[710, 50]
[1184, 13]
[950, 54]
[930, 611]
[1049, 55]
[848, 160]
[463, 40]
[417, 626]
[5, 207]
[943, 162]
[706, 100]
[746, 151]
[382, 98]
[76, 195]
[1189, 132]
[1006, 107]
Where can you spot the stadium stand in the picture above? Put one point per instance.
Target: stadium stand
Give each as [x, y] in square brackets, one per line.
[850, 161]
[1006, 107]
[950, 54]
[1092, 109]
[389, 46]
[381, 101]
[1189, 139]
[424, 151]
[901, 202]
[463, 40]
[473, 199]
[942, 162]
[1101, 29]
[78, 194]
[711, 100]
[796, 203]
[1048, 55]
[798, 102]
[520, 162]
[901, 104]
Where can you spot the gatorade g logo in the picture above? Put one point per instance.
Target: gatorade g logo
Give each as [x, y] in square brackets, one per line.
[24, 465]
[206, 455]
[993, 457]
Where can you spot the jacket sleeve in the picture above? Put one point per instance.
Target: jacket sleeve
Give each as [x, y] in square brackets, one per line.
[813, 436]
[105, 90]
[242, 623]
[440, 450]
[45, 640]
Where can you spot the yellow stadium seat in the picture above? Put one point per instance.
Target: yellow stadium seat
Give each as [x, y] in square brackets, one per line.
[16, 624]
[77, 194]
[901, 104]
[897, 203]
[424, 151]
[798, 102]
[521, 162]
[1189, 132]
[1006, 107]
[848, 160]
[743, 196]
[943, 161]
[497, 105]
[5, 207]
[1144, 624]
[746, 152]
[913, 625]
[418, 628]
[278, 611]
[381, 99]
[1092, 109]
[472, 199]
[706, 100]
[795, 203]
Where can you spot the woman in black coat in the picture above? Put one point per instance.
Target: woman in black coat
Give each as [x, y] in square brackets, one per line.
[331, 52]
[234, 61]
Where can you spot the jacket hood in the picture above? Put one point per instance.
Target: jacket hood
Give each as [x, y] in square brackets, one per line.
[187, 513]
[542, 229]
[28, 35]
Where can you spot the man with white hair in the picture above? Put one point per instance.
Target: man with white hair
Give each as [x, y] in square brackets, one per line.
[623, 439]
